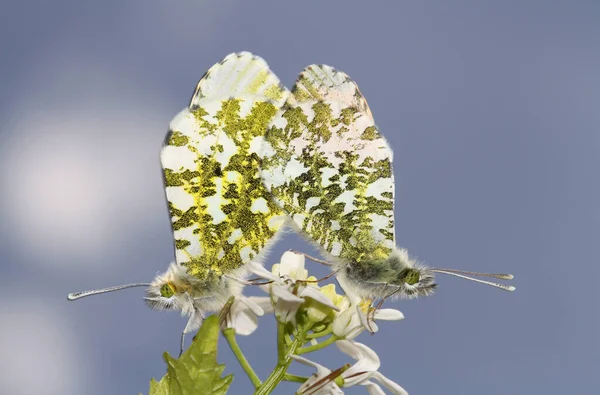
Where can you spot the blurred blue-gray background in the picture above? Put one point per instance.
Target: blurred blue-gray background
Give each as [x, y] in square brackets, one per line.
[491, 108]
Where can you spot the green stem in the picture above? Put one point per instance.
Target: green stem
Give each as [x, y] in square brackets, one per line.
[288, 339]
[323, 344]
[294, 378]
[281, 343]
[320, 334]
[229, 335]
[278, 374]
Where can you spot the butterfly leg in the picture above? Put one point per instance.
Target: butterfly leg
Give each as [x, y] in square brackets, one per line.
[194, 322]
[311, 258]
[259, 281]
[182, 343]
[251, 281]
[373, 310]
[333, 273]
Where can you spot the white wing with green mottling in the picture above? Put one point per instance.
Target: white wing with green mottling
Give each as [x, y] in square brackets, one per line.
[239, 74]
[326, 164]
[324, 83]
[221, 214]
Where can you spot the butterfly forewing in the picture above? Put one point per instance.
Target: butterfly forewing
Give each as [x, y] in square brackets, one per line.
[326, 164]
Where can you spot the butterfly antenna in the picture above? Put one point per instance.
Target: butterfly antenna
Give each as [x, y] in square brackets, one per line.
[500, 276]
[492, 284]
[83, 294]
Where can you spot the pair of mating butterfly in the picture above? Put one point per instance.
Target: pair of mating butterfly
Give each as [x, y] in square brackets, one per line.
[248, 157]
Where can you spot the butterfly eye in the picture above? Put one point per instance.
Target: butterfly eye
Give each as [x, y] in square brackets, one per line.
[167, 290]
[410, 276]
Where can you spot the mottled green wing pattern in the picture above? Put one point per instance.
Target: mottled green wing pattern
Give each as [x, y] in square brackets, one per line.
[221, 214]
[324, 83]
[326, 164]
[239, 74]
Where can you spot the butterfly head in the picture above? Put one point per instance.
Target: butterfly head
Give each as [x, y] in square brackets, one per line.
[169, 290]
[415, 279]
[411, 278]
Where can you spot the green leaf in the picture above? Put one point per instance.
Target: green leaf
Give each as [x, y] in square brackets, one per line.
[196, 371]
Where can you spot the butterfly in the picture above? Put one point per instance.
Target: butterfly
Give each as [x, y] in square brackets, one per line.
[327, 165]
[222, 217]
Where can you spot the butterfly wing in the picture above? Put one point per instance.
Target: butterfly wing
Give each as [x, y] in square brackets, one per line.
[221, 214]
[326, 164]
[239, 74]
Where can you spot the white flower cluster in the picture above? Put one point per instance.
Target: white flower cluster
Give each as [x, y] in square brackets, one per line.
[318, 316]
[364, 369]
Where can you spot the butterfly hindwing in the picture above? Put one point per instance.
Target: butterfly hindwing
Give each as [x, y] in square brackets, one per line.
[221, 214]
[326, 164]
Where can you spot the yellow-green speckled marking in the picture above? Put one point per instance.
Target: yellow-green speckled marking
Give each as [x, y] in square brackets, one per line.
[222, 216]
[326, 164]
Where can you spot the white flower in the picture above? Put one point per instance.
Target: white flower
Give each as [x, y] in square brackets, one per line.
[289, 285]
[365, 368]
[357, 316]
[320, 383]
[244, 312]
[361, 373]
[291, 266]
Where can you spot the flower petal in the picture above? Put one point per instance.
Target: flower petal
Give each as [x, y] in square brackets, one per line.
[367, 359]
[355, 376]
[314, 293]
[275, 269]
[282, 293]
[243, 315]
[250, 304]
[260, 271]
[320, 368]
[367, 322]
[315, 385]
[395, 388]
[264, 302]
[292, 265]
[244, 322]
[373, 388]
[286, 311]
[347, 323]
[344, 304]
[341, 322]
[388, 315]
[292, 260]
[312, 386]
